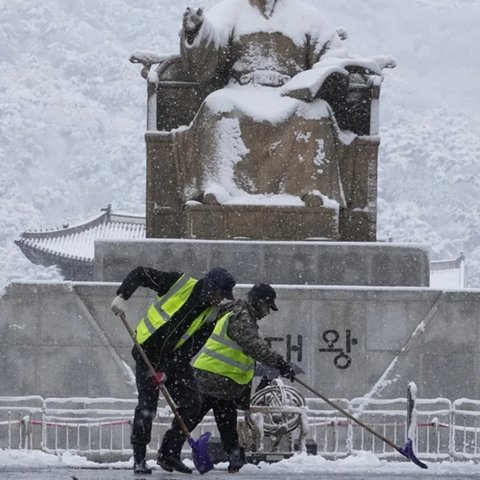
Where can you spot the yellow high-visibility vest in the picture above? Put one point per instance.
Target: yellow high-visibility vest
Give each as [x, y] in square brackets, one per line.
[222, 356]
[164, 308]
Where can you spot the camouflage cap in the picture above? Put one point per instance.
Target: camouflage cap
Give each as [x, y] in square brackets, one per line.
[262, 292]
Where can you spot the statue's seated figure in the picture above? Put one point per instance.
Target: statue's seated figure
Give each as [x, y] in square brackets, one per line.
[262, 106]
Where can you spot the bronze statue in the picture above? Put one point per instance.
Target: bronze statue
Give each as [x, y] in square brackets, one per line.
[276, 115]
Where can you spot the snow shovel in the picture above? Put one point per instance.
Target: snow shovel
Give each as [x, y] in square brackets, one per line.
[406, 451]
[200, 457]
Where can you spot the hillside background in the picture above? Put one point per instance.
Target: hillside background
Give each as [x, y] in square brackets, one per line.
[72, 114]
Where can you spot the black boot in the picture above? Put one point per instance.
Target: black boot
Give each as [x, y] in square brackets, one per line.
[170, 451]
[172, 463]
[139, 462]
[141, 468]
[236, 460]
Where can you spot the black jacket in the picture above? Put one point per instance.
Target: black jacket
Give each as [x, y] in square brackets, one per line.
[160, 346]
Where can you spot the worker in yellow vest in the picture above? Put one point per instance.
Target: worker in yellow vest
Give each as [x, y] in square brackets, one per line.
[226, 365]
[172, 332]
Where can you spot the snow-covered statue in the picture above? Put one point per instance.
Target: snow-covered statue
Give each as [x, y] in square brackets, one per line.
[272, 116]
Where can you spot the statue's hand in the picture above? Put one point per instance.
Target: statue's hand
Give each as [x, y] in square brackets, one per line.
[192, 20]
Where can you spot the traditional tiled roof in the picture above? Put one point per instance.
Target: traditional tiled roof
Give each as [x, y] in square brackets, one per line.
[71, 245]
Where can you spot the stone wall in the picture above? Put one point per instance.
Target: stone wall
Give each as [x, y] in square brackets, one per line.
[298, 263]
[60, 339]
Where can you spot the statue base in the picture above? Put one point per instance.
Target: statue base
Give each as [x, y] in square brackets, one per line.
[260, 222]
[277, 262]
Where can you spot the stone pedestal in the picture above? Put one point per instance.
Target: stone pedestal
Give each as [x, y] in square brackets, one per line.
[62, 340]
[295, 263]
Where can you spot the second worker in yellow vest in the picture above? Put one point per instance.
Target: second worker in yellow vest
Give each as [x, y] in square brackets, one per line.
[226, 365]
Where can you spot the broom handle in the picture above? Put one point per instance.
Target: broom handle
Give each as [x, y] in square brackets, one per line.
[163, 389]
[350, 416]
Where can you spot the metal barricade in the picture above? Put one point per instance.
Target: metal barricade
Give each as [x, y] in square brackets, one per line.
[99, 428]
[464, 429]
[17, 415]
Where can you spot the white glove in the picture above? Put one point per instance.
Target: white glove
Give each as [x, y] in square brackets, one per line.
[118, 305]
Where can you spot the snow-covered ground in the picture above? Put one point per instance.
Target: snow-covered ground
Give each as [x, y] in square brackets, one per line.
[16, 465]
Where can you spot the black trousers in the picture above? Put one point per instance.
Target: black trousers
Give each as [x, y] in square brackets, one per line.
[182, 386]
[225, 413]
